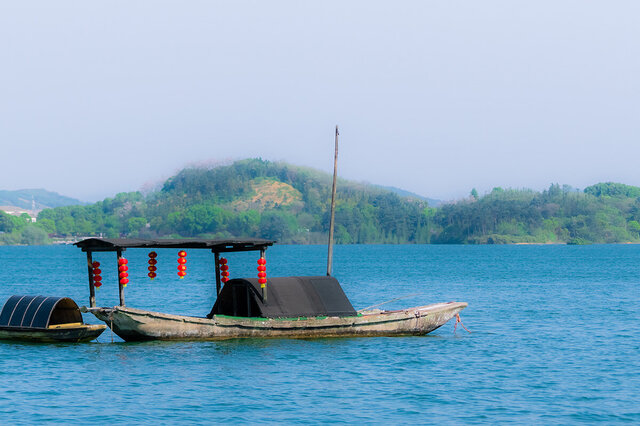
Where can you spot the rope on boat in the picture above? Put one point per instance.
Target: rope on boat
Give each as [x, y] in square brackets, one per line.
[392, 300]
[459, 321]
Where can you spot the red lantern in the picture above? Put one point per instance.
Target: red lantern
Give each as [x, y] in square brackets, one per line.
[182, 264]
[123, 274]
[97, 278]
[152, 262]
[224, 268]
[262, 274]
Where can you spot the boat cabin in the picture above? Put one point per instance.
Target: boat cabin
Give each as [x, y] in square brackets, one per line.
[289, 297]
[280, 297]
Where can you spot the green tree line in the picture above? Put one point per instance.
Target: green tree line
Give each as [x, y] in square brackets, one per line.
[602, 213]
[19, 230]
[227, 202]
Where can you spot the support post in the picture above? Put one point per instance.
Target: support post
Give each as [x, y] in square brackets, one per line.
[333, 206]
[120, 286]
[216, 256]
[92, 287]
[264, 289]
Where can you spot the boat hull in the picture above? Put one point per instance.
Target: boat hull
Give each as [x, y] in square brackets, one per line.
[136, 324]
[82, 333]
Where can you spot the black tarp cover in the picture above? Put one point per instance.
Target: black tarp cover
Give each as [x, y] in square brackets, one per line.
[39, 312]
[287, 297]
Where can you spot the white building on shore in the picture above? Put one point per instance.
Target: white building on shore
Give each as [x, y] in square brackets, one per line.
[17, 211]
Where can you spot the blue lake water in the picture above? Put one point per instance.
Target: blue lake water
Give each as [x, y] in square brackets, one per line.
[555, 339]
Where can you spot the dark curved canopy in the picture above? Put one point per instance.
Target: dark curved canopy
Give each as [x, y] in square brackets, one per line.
[225, 245]
[39, 312]
[288, 297]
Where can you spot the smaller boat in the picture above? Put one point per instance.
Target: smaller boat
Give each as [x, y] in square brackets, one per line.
[45, 319]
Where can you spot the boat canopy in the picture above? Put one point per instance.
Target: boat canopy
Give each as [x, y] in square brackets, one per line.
[289, 297]
[219, 246]
[39, 312]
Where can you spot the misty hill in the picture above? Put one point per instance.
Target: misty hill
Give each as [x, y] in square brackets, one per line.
[250, 198]
[25, 198]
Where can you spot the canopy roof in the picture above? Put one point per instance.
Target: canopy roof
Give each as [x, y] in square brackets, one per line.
[228, 245]
[39, 312]
[289, 297]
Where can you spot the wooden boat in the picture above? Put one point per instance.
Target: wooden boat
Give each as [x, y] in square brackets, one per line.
[136, 324]
[45, 319]
[290, 307]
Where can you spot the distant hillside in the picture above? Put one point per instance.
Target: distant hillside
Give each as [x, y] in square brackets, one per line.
[401, 192]
[603, 213]
[256, 198]
[250, 198]
[25, 198]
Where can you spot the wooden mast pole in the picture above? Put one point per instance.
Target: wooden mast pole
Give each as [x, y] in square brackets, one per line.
[333, 205]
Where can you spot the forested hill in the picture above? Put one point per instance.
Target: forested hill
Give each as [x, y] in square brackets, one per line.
[602, 213]
[250, 198]
[27, 198]
[256, 198]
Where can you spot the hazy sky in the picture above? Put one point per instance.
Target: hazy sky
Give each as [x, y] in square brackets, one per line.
[435, 97]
